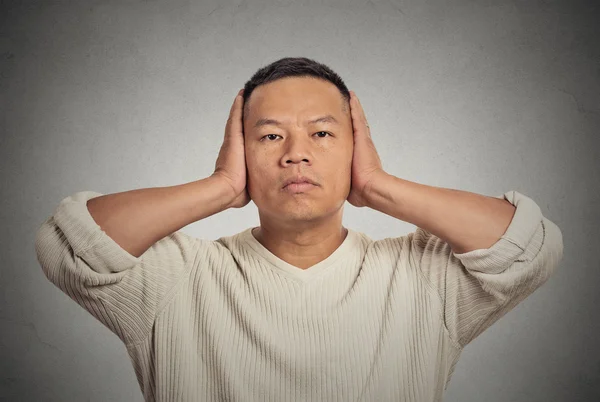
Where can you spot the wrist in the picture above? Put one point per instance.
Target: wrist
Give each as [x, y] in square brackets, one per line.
[377, 189]
[226, 190]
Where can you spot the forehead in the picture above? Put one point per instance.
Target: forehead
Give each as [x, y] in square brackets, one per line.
[294, 99]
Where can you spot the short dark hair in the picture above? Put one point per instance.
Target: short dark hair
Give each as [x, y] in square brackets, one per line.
[295, 67]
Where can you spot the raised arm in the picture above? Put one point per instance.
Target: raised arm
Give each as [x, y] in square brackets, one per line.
[137, 219]
[120, 256]
[479, 286]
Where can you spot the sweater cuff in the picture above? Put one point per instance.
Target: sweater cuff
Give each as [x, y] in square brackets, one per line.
[87, 239]
[522, 235]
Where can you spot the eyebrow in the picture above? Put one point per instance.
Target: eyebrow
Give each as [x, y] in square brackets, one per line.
[323, 119]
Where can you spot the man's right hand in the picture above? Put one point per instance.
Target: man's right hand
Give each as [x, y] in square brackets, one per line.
[231, 162]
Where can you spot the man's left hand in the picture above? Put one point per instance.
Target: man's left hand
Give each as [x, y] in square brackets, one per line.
[366, 165]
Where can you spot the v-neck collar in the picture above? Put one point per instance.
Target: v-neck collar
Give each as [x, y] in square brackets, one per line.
[290, 270]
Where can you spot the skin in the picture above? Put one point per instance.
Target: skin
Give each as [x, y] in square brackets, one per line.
[305, 228]
[300, 228]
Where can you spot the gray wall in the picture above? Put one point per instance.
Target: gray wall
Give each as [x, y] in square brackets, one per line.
[481, 96]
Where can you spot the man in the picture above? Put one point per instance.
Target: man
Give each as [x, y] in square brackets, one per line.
[299, 308]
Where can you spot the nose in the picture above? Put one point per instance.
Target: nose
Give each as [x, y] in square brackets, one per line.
[297, 151]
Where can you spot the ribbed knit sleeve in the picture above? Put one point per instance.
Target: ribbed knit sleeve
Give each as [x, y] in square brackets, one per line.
[478, 287]
[122, 291]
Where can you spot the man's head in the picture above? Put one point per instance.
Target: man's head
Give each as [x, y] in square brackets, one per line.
[294, 91]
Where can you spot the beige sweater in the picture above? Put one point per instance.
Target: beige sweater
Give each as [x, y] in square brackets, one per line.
[227, 320]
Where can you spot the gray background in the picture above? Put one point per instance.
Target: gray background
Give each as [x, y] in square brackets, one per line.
[480, 96]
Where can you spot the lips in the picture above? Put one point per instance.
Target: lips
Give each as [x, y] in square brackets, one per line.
[299, 187]
[299, 180]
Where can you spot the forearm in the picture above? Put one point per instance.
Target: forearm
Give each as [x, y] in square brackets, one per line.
[137, 219]
[466, 221]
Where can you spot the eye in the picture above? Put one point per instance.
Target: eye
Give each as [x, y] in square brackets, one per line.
[268, 136]
[271, 139]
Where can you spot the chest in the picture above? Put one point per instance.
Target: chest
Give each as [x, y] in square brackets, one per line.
[355, 324]
[375, 339]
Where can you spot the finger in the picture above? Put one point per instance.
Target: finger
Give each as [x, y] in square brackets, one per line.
[234, 122]
[357, 113]
[235, 107]
[359, 108]
[359, 121]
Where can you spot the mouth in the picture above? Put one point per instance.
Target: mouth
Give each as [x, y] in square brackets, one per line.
[299, 187]
[299, 181]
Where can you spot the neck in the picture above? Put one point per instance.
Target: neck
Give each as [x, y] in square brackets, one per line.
[301, 246]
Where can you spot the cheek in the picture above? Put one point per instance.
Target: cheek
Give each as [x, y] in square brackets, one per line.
[344, 158]
[252, 157]
[256, 162]
[346, 166]
[258, 172]
[340, 172]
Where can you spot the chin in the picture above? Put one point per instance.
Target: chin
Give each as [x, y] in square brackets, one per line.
[294, 211]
